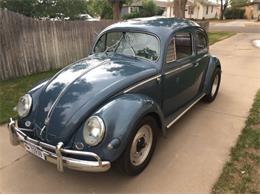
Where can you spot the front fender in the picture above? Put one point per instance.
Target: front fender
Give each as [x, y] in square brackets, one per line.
[35, 93]
[213, 64]
[120, 116]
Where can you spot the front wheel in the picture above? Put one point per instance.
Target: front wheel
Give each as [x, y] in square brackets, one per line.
[215, 82]
[140, 148]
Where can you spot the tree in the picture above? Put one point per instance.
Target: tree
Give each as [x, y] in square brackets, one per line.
[117, 6]
[24, 7]
[179, 8]
[100, 8]
[232, 3]
[71, 9]
[148, 9]
[46, 8]
[239, 3]
[223, 6]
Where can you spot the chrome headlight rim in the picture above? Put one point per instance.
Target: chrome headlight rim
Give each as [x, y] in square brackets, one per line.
[26, 106]
[102, 131]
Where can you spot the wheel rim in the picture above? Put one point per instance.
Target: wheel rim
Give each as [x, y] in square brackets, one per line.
[215, 85]
[141, 145]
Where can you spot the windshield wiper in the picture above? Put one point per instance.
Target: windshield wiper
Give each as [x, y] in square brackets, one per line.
[115, 46]
[129, 43]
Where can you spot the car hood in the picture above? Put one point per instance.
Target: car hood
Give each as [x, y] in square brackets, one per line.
[80, 89]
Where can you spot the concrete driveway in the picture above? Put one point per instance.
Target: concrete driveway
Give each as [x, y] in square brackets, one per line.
[189, 160]
[245, 26]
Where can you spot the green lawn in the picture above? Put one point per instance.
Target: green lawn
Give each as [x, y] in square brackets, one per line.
[241, 174]
[218, 36]
[11, 90]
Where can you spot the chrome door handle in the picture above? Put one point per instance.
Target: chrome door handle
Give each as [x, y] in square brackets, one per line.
[196, 64]
[158, 79]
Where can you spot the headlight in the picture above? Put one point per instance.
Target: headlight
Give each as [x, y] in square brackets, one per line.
[24, 105]
[94, 130]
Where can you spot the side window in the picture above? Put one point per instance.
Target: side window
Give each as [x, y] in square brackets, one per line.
[171, 52]
[183, 44]
[201, 43]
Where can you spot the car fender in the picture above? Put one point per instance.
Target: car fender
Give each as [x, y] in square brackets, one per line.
[120, 117]
[34, 93]
[213, 64]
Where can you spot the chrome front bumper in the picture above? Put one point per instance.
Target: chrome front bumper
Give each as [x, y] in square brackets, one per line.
[54, 154]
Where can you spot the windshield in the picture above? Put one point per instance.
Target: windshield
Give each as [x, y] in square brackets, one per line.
[130, 44]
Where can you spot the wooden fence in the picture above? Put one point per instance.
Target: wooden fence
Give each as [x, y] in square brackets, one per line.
[29, 46]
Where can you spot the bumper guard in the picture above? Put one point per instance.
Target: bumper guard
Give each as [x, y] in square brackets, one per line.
[54, 154]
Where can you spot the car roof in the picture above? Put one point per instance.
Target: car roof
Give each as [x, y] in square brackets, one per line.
[161, 26]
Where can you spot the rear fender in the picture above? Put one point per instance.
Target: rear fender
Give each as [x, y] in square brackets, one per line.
[213, 64]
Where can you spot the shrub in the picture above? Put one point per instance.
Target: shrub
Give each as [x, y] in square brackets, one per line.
[148, 9]
[234, 13]
[131, 15]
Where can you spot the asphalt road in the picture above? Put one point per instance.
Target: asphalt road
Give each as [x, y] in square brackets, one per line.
[188, 160]
[239, 26]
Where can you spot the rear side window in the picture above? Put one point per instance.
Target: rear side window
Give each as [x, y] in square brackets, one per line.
[179, 47]
[183, 44]
[201, 43]
[171, 52]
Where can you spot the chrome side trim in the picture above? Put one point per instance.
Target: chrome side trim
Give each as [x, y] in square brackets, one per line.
[186, 110]
[28, 130]
[178, 69]
[141, 83]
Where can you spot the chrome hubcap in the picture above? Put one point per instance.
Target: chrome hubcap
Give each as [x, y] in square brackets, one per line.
[141, 145]
[214, 85]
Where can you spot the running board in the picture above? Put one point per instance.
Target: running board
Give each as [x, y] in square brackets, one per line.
[183, 112]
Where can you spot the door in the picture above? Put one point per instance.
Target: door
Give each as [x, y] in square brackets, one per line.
[178, 77]
[202, 59]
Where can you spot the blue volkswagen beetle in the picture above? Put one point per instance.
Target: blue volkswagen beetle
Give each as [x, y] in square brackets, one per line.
[110, 107]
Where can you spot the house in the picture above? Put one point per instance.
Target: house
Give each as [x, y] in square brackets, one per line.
[202, 9]
[256, 9]
[131, 8]
[252, 10]
[195, 9]
[167, 6]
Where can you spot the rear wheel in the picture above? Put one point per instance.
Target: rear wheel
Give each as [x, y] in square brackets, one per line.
[215, 82]
[140, 147]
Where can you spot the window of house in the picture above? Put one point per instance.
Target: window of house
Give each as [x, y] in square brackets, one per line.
[259, 7]
[212, 9]
[179, 47]
[134, 9]
[190, 10]
[201, 43]
[207, 9]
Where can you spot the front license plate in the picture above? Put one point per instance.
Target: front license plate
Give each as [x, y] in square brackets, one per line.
[34, 150]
